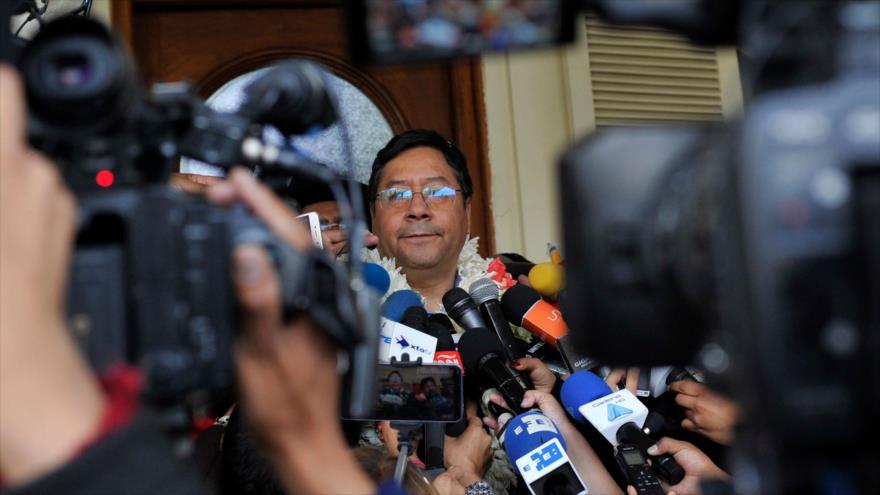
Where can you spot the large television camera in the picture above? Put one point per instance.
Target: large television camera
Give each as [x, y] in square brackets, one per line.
[151, 273]
[752, 248]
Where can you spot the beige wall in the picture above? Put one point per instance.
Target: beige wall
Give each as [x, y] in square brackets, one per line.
[537, 103]
[100, 11]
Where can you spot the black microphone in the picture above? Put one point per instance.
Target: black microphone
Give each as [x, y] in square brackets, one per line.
[664, 464]
[443, 320]
[416, 318]
[462, 309]
[485, 293]
[483, 356]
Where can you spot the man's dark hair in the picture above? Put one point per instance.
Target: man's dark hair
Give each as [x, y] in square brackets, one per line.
[416, 138]
[426, 380]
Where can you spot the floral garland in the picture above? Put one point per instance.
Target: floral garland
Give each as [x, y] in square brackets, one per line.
[471, 267]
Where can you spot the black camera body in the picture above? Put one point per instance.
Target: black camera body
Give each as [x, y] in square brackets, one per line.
[752, 248]
[151, 280]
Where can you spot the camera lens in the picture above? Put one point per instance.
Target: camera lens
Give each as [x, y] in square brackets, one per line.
[73, 70]
[78, 79]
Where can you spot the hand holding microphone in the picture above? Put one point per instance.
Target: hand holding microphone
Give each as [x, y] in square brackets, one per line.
[542, 378]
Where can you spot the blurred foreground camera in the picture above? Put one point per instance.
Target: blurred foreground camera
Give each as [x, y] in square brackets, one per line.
[752, 248]
[150, 280]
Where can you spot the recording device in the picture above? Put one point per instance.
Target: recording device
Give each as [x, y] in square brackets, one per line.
[423, 393]
[150, 272]
[618, 416]
[537, 449]
[483, 357]
[395, 32]
[461, 308]
[484, 293]
[311, 222]
[637, 471]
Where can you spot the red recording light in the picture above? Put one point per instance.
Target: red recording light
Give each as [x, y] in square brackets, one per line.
[104, 178]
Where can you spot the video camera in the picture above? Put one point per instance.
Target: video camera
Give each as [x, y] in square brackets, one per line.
[151, 272]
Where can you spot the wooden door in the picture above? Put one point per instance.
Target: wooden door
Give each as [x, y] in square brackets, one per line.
[210, 42]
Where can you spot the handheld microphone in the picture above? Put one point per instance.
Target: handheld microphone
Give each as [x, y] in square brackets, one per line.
[442, 320]
[485, 293]
[547, 279]
[416, 318]
[398, 302]
[461, 308]
[447, 353]
[376, 278]
[662, 376]
[536, 447]
[483, 356]
[618, 416]
[524, 307]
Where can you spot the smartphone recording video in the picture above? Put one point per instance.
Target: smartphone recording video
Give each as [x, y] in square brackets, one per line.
[395, 31]
[425, 393]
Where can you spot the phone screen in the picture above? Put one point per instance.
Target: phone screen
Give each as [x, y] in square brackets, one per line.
[426, 393]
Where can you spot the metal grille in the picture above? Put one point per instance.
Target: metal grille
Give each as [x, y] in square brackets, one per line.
[647, 76]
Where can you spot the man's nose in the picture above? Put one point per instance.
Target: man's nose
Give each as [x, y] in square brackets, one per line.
[418, 207]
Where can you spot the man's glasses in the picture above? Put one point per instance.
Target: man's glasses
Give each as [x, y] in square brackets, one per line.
[399, 198]
[333, 226]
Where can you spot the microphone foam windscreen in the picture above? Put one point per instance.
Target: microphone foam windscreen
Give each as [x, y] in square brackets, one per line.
[527, 432]
[483, 290]
[443, 336]
[415, 317]
[475, 344]
[580, 388]
[517, 268]
[517, 301]
[377, 278]
[398, 302]
[441, 319]
[547, 279]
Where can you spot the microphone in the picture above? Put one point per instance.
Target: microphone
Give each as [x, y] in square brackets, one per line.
[398, 302]
[484, 293]
[447, 353]
[461, 308]
[416, 318]
[619, 417]
[547, 279]
[376, 278]
[662, 376]
[536, 447]
[524, 307]
[483, 356]
[442, 320]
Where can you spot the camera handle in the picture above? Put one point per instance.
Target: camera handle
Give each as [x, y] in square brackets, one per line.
[410, 431]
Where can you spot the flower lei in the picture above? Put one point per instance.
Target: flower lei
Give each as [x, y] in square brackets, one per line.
[471, 267]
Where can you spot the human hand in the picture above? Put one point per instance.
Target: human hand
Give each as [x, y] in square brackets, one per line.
[707, 412]
[390, 437]
[470, 451]
[287, 372]
[193, 183]
[41, 371]
[697, 466]
[449, 482]
[617, 374]
[542, 378]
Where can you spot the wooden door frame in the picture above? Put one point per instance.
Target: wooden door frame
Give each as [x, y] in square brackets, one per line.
[466, 84]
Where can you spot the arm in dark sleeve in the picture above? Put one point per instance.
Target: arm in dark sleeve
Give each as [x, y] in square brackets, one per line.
[138, 458]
